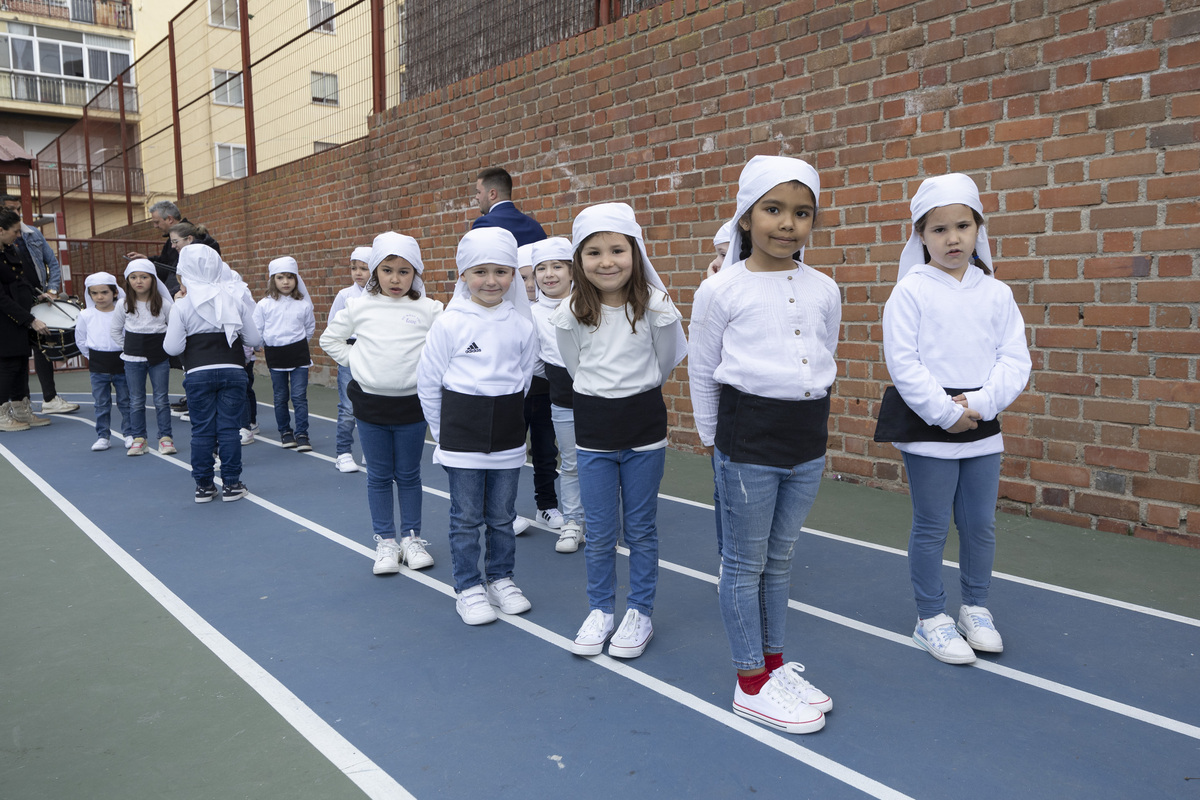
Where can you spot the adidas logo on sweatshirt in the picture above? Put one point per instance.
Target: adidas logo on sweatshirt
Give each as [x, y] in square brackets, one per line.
[473, 348]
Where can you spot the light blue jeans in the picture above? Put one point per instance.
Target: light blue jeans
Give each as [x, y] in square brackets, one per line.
[103, 385]
[136, 373]
[345, 418]
[568, 466]
[762, 511]
[478, 497]
[612, 484]
[968, 488]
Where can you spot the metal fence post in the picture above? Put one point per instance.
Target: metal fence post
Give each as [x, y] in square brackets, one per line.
[87, 160]
[247, 89]
[175, 110]
[378, 58]
[124, 148]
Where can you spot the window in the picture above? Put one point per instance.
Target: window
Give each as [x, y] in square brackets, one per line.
[223, 13]
[231, 161]
[324, 88]
[227, 87]
[320, 16]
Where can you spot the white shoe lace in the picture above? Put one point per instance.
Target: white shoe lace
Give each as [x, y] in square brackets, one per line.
[414, 545]
[592, 626]
[789, 674]
[629, 626]
[385, 548]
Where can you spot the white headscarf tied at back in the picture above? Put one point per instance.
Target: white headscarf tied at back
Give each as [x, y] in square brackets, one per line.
[619, 218]
[217, 298]
[287, 264]
[389, 244]
[760, 175]
[104, 279]
[362, 254]
[944, 190]
[147, 266]
[557, 248]
[724, 234]
[490, 246]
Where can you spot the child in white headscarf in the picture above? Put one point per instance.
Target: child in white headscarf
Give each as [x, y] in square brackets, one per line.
[139, 327]
[286, 321]
[720, 242]
[379, 338]
[620, 337]
[360, 272]
[209, 324]
[93, 337]
[954, 342]
[763, 335]
[474, 373]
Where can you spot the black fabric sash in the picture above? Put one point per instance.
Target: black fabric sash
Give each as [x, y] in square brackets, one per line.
[379, 409]
[147, 345]
[620, 423]
[562, 388]
[288, 356]
[770, 432]
[899, 423]
[481, 424]
[208, 349]
[106, 361]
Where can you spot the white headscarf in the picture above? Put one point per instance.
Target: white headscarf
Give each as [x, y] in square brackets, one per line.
[557, 248]
[103, 279]
[211, 289]
[362, 254]
[490, 246]
[525, 260]
[943, 190]
[147, 266]
[760, 175]
[619, 218]
[287, 264]
[391, 244]
[724, 234]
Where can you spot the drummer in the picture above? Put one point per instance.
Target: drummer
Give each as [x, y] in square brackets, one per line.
[36, 252]
[17, 294]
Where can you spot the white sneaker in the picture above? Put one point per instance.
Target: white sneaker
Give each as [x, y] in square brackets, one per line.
[505, 595]
[128, 442]
[551, 517]
[59, 406]
[247, 436]
[473, 606]
[593, 634]
[775, 705]
[977, 627]
[99, 444]
[939, 636]
[412, 550]
[345, 463]
[789, 673]
[631, 638]
[569, 537]
[387, 556]
[520, 525]
[185, 417]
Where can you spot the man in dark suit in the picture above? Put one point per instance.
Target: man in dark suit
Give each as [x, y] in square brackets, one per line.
[493, 195]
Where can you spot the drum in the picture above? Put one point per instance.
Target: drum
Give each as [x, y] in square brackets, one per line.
[57, 344]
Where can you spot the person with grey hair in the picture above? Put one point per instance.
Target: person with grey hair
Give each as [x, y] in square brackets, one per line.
[163, 215]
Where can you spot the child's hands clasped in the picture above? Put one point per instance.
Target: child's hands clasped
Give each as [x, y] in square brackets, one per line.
[969, 420]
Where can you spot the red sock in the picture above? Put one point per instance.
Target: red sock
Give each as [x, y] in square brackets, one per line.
[774, 661]
[751, 684]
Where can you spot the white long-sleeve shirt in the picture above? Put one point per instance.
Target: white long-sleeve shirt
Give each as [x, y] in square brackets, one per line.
[185, 322]
[546, 332]
[942, 333]
[480, 351]
[389, 336]
[284, 321]
[339, 301]
[770, 334]
[93, 331]
[141, 321]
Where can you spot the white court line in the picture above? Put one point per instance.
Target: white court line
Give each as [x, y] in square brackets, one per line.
[364, 772]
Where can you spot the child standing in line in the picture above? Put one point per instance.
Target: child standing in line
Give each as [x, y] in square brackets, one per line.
[211, 321]
[139, 326]
[720, 248]
[538, 422]
[93, 337]
[388, 325]
[552, 273]
[472, 379]
[763, 336]
[620, 337]
[360, 272]
[954, 342]
[286, 321]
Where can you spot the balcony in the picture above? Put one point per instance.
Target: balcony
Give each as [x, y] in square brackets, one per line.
[110, 13]
[105, 180]
[23, 86]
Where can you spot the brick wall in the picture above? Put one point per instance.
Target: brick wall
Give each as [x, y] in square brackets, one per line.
[1080, 122]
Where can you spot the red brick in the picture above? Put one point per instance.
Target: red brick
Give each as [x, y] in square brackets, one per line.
[1059, 473]
[1074, 97]
[1169, 291]
[1175, 82]
[1121, 166]
[1117, 316]
[1171, 491]
[1125, 64]
[1107, 506]
[1074, 46]
[1116, 364]
[1064, 384]
[1085, 195]
[1169, 441]
[1125, 10]
[1128, 413]
[1118, 458]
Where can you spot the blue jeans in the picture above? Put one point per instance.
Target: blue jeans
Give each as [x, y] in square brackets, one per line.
[251, 415]
[394, 452]
[291, 385]
[481, 497]
[612, 483]
[103, 385]
[762, 511]
[136, 373]
[568, 468]
[968, 487]
[542, 451]
[345, 419]
[216, 402]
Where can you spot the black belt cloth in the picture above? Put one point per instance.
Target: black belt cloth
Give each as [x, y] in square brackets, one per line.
[378, 409]
[481, 424]
[620, 423]
[210, 349]
[562, 388]
[146, 345]
[107, 362]
[288, 356]
[899, 423]
[769, 432]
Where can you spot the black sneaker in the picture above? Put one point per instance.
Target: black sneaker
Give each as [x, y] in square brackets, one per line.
[179, 408]
[302, 445]
[205, 494]
[234, 491]
[289, 440]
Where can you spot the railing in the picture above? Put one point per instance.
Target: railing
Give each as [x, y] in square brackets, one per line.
[63, 91]
[110, 13]
[105, 180]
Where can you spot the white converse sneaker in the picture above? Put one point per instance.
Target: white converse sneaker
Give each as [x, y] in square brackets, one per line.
[939, 636]
[593, 634]
[777, 706]
[789, 673]
[345, 463]
[505, 595]
[520, 525]
[569, 537]
[387, 556]
[99, 444]
[551, 517]
[631, 638]
[473, 606]
[246, 436]
[977, 627]
[413, 552]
